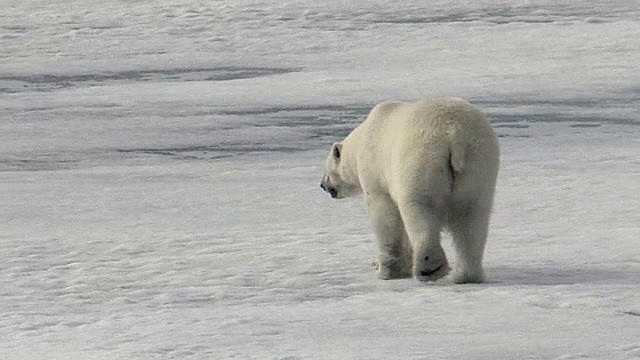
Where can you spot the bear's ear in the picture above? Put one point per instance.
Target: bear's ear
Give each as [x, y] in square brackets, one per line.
[336, 150]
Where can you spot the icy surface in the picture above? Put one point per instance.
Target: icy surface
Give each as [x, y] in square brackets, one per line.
[160, 163]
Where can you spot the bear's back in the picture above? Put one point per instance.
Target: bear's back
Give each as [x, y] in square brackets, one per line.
[404, 140]
[410, 126]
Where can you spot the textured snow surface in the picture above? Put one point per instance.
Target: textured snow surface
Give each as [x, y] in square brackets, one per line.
[160, 165]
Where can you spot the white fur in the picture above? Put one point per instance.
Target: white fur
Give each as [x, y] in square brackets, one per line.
[422, 166]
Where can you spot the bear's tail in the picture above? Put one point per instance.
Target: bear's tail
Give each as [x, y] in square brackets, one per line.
[456, 158]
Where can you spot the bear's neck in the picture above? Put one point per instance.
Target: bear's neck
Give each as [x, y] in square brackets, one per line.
[352, 175]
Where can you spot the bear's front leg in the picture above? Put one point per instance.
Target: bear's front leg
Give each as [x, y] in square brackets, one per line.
[423, 226]
[394, 259]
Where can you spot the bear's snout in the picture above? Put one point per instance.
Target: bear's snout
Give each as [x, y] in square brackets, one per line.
[330, 189]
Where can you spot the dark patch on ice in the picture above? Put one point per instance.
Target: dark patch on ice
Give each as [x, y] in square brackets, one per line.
[334, 122]
[575, 102]
[48, 82]
[497, 17]
[512, 136]
[37, 164]
[286, 129]
[500, 15]
[213, 151]
[358, 109]
[517, 120]
[632, 313]
[18, 28]
[550, 276]
[584, 125]
[315, 127]
[512, 126]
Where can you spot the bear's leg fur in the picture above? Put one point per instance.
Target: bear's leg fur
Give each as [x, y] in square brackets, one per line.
[423, 224]
[469, 231]
[394, 259]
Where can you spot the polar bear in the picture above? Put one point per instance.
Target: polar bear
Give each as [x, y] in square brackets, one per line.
[423, 167]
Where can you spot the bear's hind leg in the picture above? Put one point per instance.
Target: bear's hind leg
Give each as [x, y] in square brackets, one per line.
[423, 225]
[469, 232]
[394, 259]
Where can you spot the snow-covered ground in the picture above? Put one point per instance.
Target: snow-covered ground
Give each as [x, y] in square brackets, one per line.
[160, 163]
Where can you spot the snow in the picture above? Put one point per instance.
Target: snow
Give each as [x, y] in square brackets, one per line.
[161, 162]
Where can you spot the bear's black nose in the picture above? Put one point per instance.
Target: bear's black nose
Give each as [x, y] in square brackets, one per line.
[332, 191]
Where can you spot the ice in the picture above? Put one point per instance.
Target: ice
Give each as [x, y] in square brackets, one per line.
[161, 163]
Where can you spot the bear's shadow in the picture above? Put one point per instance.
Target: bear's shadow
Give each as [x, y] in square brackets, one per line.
[550, 275]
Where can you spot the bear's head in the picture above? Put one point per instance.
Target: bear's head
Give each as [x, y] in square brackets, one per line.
[337, 175]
